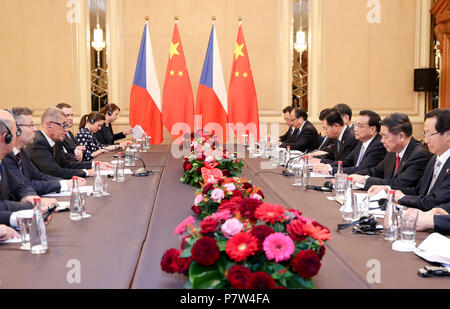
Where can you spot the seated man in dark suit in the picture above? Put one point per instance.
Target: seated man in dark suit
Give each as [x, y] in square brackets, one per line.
[48, 156]
[406, 159]
[305, 136]
[287, 117]
[70, 146]
[14, 194]
[344, 139]
[369, 151]
[20, 164]
[434, 187]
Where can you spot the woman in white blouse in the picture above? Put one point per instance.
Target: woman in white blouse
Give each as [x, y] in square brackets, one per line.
[89, 125]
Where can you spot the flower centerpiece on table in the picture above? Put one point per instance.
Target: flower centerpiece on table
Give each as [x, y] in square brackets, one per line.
[206, 158]
[246, 247]
[220, 194]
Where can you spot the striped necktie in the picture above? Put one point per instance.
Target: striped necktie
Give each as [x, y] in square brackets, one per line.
[361, 155]
[437, 168]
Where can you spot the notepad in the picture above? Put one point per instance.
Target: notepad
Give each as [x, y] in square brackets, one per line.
[12, 241]
[84, 189]
[435, 248]
[126, 171]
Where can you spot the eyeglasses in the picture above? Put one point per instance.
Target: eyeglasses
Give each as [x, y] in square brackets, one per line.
[63, 125]
[429, 135]
[360, 126]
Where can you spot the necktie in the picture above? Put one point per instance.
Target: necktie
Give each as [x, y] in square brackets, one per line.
[19, 160]
[54, 151]
[361, 155]
[2, 172]
[437, 169]
[397, 164]
[338, 143]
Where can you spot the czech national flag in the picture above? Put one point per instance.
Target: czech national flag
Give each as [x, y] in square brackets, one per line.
[212, 102]
[145, 98]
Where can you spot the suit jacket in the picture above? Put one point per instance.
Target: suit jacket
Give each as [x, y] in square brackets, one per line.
[42, 184]
[284, 138]
[306, 140]
[373, 155]
[12, 190]
[106, 135]
[56, 165]
[411, 168]
[442, 223]
[418, 196]
[70, 144]
[348, 143]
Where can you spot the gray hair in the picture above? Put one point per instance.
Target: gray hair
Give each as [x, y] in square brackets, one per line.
[52, 114]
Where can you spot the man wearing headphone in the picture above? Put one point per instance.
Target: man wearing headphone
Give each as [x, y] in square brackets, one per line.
[14, 194]
[70, 146]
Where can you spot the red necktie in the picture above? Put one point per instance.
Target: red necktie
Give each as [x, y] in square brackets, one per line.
[397, 164]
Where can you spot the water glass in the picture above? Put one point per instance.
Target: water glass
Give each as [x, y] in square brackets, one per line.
[114, 164]
[105, 185]
[408, 222]
[25, 217]
[340, 185]
[84, 213]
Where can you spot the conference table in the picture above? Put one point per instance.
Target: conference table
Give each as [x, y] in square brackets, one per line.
[121, 245]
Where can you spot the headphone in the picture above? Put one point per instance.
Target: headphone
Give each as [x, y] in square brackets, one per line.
[9, 136]
[110, 110]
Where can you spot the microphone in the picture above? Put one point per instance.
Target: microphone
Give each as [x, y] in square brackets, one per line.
[370, 222]
[141, 172]
[319, 188]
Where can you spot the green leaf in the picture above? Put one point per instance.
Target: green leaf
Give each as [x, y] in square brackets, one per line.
[297, 282]
[186, 253]
[222, 244]
[222, 265]
[203, 277]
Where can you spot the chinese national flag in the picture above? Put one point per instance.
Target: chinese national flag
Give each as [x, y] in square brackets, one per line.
[178, 99]
[242, 100]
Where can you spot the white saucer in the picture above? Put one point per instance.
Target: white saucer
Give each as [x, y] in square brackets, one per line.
[403, 246]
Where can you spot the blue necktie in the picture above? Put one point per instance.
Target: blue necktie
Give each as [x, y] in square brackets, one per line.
[2, 171]
[361, 155]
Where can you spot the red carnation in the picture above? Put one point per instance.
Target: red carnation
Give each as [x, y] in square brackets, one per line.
[208, 225]
[247, 207]
[261, 281]
[296, 230]
[306, 263]
[238, 276]
[196, 210]
[169, 261]
[261, 232]
[205, 251]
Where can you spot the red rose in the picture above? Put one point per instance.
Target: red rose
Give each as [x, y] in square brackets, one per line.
[306, 263]
[196, 210]
[261, 281]
[205, 251]
[208, 225]
[238, 276]
[199, 170]
[261, 232]
[296, 231]
[188, 166]
[169, 261]
[226, 173]
[247, 207]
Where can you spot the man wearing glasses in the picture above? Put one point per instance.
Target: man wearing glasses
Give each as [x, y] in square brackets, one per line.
[19, 162]
[47, 154]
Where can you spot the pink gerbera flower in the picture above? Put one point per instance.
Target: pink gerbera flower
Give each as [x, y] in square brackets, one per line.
[181, 228]
[278, 247]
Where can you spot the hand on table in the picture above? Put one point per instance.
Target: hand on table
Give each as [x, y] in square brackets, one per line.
[373, 190]
[321, 168]
[7, 233]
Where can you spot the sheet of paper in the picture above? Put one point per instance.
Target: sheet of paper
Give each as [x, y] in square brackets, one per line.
[85, 189]
[138, 132]
[435, 248]
[127, 171]
[63, 205]
[359, 185]
[319, 175]
[12, 241]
